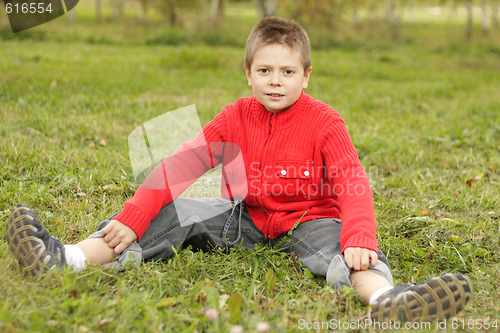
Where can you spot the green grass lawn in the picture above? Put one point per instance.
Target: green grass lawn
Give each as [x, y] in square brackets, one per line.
[424, 115]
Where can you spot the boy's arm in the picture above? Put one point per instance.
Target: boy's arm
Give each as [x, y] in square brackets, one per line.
[172, 176]
[359, 226]
[353, 192]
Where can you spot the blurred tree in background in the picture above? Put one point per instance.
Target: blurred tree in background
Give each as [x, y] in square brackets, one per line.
[330, 13]
[494, 14]
[266, 7]
[486, 6]
[98, 10]
[324, 13]
[332, 19]
[174, 9]
[216, 11]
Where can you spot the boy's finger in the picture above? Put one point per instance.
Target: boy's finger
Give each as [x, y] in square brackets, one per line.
[348, 260]
[113, 242]
[109, 227]
[105, 230]
[122, 246]
[365, 262]
[356, 262]
[373, 259]
[110, 235]
[119, 248]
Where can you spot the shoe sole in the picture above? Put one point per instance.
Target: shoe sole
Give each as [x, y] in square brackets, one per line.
[436, 299]
[30, 250]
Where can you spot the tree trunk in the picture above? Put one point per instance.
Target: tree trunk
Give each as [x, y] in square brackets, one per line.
[145, 10]
[216, 11]
[411, 11]
[485, 23]
[394, 19]
[374, 9]
[494, 14]
[98, 10]
[265, 9]
[387, 9]
[391, 17]
[355, 16]
[118, 6]
[468, 30]
[261, 8]
[172, 13]
[272, 7]
[71, 16]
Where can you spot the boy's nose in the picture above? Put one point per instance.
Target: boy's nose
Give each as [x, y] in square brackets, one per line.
[275, 80]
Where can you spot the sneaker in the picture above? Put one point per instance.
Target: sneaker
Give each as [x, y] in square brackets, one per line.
[36, 250]
[436, 299]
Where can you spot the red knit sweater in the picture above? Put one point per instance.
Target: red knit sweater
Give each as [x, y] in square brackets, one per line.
[300, 164]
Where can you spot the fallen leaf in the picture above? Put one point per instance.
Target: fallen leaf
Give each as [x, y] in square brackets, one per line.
[53, 84]
[167, 302]
[103, 322]
[469, 182]
[103, 143]
[234, 307]
[425, 212]
[92, 145]
[60, 222]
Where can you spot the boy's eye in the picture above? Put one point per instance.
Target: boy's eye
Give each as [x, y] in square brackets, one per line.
[288, 71]
[263, 70]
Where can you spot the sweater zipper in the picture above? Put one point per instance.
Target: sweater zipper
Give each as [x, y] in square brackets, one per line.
[265, 145]
[261, 202]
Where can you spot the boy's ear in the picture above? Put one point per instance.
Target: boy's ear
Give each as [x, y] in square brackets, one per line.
[249, 79]
[307, 75]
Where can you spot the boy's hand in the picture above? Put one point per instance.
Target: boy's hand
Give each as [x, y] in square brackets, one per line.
[358, 258]
[118, 235]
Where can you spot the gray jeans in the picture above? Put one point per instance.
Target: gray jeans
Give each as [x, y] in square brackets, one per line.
[210, 222]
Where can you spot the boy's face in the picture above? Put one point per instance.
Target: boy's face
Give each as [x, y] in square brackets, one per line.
[277, 76]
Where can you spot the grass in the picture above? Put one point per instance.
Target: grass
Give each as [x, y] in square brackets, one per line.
[423, 113]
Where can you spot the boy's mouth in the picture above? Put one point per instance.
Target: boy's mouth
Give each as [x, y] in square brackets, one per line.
[275, 95]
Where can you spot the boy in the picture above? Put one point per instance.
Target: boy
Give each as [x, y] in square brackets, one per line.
[302, 175]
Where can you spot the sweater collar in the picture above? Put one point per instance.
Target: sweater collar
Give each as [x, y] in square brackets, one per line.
[282, 119]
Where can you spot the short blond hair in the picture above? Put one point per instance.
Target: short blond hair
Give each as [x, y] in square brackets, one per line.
[275, 30]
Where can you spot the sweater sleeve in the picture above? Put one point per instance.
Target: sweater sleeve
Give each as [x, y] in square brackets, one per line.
[352, 188]
[173, 176]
